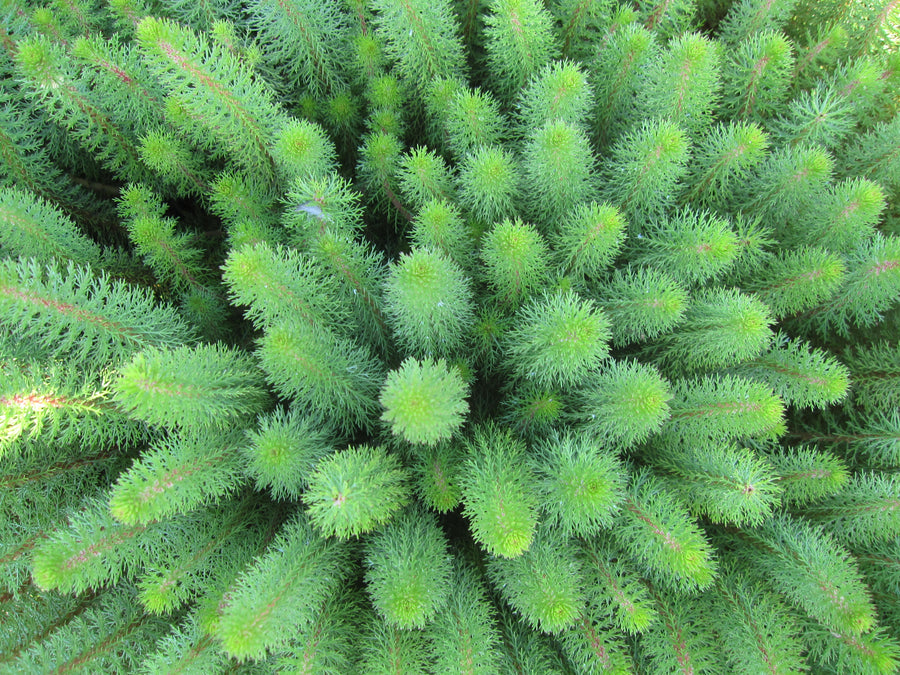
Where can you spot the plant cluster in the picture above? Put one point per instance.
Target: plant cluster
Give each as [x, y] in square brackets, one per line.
[450, 336]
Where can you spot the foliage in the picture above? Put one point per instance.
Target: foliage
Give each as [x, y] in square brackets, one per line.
[450, 336]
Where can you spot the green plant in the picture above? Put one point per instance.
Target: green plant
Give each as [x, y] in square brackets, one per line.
[450, 336]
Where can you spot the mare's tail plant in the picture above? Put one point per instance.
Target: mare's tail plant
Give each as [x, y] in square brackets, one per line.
[450, 336]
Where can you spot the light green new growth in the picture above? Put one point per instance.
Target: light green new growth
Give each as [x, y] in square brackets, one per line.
[816, 573]
[693, 246]
[176, 475]
[724, 407]
[408, 570]
[721, 328]
[202, 386]
[641, 303]
[499, 493]
[580, 484]
[284, 450]
[588, 239]
[659, 536]
[281, 592]
[560, 340]
[625, 404]
[543, 585]
[558, 167]
[424, 401]
[428, 303]
[355, 490]
[489, 183]
[516, 260]
[519, 42]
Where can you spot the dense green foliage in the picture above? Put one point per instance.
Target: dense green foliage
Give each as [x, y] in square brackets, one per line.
[450, 336]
